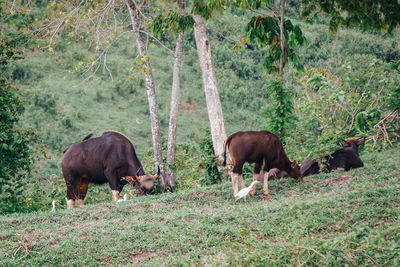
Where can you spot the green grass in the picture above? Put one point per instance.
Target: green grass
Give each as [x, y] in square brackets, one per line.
[338, 219]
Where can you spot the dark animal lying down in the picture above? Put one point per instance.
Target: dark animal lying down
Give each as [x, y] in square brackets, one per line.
[346, 158]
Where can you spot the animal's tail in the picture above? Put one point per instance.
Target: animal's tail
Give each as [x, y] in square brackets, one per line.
[87, 137]
[225, 145]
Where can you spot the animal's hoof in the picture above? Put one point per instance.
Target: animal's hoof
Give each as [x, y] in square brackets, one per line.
[252, 194]
[266, 193]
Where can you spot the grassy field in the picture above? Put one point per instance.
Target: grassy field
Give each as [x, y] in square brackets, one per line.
[338, 219]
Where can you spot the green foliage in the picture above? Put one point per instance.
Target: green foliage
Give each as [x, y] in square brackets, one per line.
[366, 120]
[209, 162]
[172, 22]
[16, 150]
[394, 101]
[205, 8]
[265, 32]
[370, 15]
[350, 102]
[279, 111]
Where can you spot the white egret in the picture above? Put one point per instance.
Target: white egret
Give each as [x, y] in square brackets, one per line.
[245, 191]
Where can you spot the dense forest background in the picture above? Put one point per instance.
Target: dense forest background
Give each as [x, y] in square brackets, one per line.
[350, 87]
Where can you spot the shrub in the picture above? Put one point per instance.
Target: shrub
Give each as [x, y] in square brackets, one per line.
[279, 113]
[350, 102]
[16, 145]
[209, 162]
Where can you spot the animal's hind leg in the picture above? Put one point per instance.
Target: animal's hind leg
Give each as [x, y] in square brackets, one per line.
[235, 180]
[241, 183]
[256, 173]
[236, 176]
[82, 188]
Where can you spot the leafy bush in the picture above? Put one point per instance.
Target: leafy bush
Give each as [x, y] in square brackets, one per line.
[279, 113]
[209, 162]
[16, 152]
[350, 102]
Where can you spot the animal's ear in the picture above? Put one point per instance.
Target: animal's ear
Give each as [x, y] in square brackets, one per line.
[129, 179]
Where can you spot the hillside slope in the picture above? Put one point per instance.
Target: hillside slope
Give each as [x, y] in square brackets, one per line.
[344, 218]
[64, 103]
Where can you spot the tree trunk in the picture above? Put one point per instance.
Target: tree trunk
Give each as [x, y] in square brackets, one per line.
[173, 117]
[283, 51]
[214, 109]
[134, 13]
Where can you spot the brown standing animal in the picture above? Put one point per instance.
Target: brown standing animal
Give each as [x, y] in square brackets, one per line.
[264, 149]
[104, 159]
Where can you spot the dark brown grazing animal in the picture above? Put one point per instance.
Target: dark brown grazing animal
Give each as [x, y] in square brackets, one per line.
[104, 159]
[264, 149]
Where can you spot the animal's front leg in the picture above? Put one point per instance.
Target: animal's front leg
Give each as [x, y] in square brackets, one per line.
[113, 181]
[72, 191]
[115, 195]
[70, 203]
[82, 188]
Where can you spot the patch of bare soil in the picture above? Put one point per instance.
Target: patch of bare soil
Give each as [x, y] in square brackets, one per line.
[259, 236]
[205, 194]
[200, 195]
[142, 255]
[139, 207]
[266, 198]
[339, 182]
[186, 107]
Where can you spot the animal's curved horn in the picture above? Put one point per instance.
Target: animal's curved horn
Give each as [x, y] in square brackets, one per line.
[158, 173]
[137, 172]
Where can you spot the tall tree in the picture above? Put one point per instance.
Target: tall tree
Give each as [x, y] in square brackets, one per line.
[214, 109]
[135, 13]
[173, 117]
[176, 23]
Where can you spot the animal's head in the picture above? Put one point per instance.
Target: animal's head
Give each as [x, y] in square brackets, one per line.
[144, 183]
[358, 141]
[295, 170]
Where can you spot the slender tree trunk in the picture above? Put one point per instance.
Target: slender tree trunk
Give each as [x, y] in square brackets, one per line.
[173, 117]
[134, 13]
[283, 51]
[217, 125]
